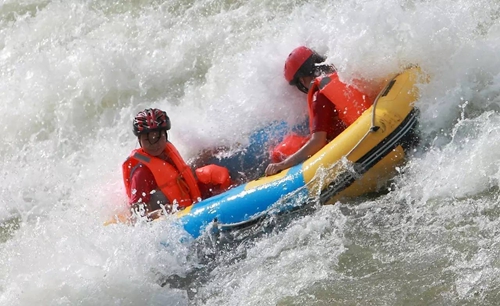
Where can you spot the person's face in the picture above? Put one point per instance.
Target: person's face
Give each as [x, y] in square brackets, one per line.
[306, 81]
[153, 142]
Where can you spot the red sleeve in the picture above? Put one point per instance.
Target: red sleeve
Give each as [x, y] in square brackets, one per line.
[141, 185]
[325, 118]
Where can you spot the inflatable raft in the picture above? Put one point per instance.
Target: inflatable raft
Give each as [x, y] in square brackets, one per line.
[365, 155]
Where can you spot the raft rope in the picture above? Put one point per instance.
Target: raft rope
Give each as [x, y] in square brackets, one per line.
[373, 128]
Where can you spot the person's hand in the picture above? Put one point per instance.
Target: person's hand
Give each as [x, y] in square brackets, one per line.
[155, 214]
[274, 168]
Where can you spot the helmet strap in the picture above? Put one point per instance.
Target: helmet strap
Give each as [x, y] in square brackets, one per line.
[302, 88]
[139, 137]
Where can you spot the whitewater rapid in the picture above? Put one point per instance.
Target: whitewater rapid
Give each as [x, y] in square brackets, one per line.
[73, 74]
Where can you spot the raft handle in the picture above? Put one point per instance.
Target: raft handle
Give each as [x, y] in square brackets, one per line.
[374, 128]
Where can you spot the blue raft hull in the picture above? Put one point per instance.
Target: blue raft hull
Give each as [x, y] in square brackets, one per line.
[240, 205]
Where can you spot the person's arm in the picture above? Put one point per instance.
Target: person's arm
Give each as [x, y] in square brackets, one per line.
[145, 199]
[317, 141]
[154, 208]
[323, 120]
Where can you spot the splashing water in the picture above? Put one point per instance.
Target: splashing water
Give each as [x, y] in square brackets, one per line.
[73, 73]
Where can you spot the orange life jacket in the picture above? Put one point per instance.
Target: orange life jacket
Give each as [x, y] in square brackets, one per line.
[349, 101]
[177, 182]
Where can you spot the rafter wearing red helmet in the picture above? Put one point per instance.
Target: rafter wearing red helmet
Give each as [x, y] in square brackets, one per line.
[156, 177]
[332, 104]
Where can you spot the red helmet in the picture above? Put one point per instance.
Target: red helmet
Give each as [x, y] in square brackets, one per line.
[295, 62]
[303, 62]
[151, 119]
